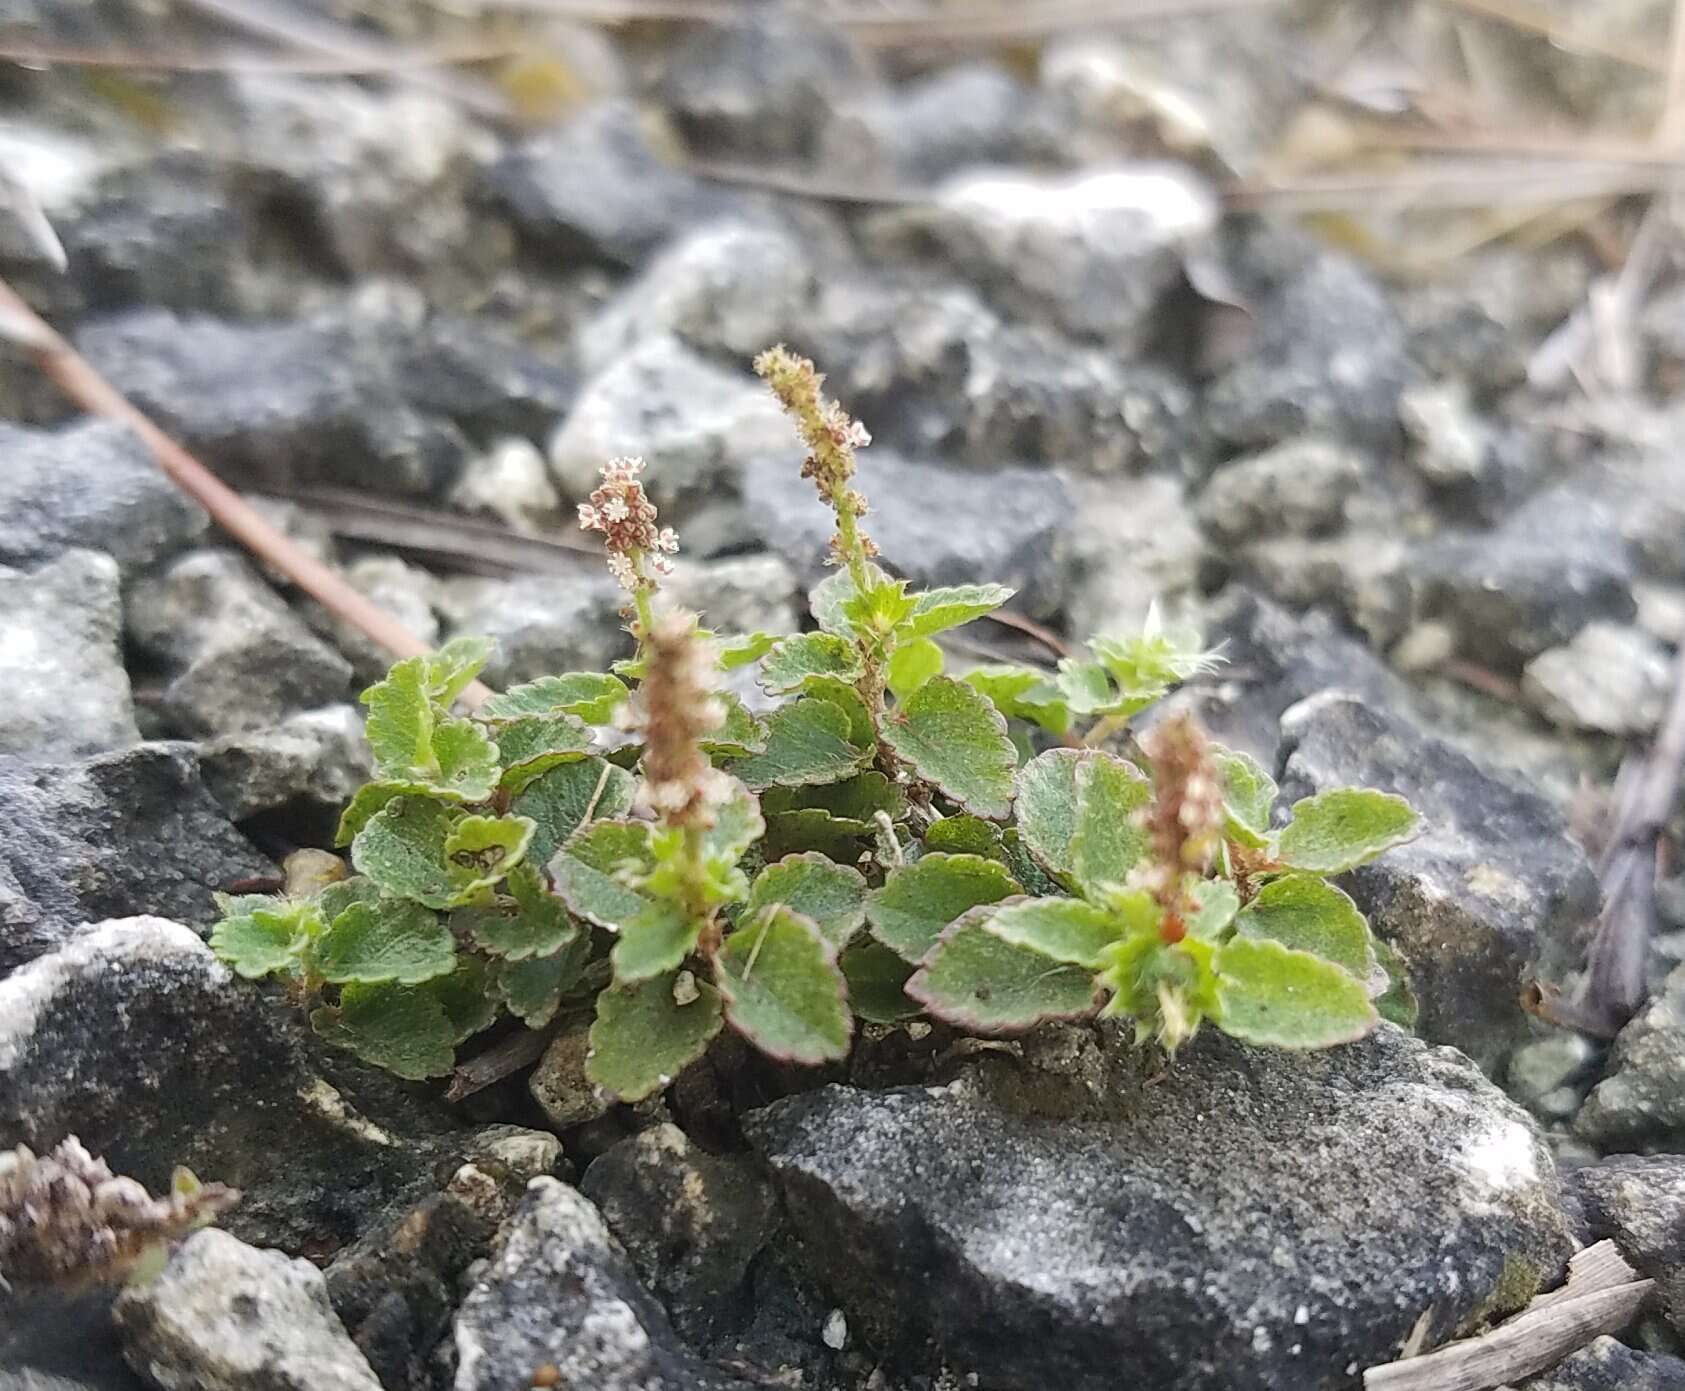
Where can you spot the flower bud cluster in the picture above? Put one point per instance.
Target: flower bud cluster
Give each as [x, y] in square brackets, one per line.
[623, 513]
[676, 708]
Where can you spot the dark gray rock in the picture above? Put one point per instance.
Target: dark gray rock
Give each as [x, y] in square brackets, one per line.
[319, 757]
[276, 404]
[962, 114]
[405, 591]
[1554, 565]
[51, 1340]
[1492, 891]
[765, 87]
[740, 594]
[223, 1316]
[91, 485]
[1326, 358]
[480, 376]
[933, 523]
[120, 834]
[562, 1292]
[1095, 254]
[1223, 1222]
[134, 1038]
[696, 425]
[396, 1287]
[1608, 1365]
[1641, 1099]
[597, 188]
[729, 289]
[1609, 679]
[692, 1223]
[1639, 1203]
[61, 660]
[235, 657]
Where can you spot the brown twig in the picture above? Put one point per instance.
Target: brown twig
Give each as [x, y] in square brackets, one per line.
[499, 1061]
[235, 61]
[76, 377]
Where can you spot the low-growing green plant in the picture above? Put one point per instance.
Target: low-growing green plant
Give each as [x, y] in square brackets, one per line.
[882, 839]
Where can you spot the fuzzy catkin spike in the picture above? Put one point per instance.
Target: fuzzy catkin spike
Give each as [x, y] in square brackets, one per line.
[623, 513]
[830, 434]
[66, 1219]
[676, 708]
[1184, 820]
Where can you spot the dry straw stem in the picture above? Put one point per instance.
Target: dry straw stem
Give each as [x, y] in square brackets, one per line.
[79, 381]
[1603, 1294]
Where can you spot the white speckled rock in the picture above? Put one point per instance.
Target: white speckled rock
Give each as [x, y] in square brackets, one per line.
[224, 1316]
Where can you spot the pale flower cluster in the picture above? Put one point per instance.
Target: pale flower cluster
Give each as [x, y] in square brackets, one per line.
[623, 513]
[677, 707]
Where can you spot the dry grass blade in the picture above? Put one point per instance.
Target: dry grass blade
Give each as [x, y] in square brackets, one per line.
[1520, 15]
[239, 61]
[1602, 1295]
[1454, 184]
[78, 380]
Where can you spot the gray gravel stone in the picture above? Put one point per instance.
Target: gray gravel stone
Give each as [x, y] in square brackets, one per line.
[1606, 1364]
[118, 834]
[1609, 679]
[1641, 1099]
[135, 1038]
[692, 1223]
[1229, 1225]
[93, 485]
[541, 624]
[1639, 1202]
[61, 661]
[693, 423]
[236, 657]
[1094, 253]
[1554, 565]
[319, 756]
[563, 1292]
[224, 1316]
[598, 188]
[730, 289]
[1134, 543]
[559, 1084]
[1492, 891]
[1299, 488]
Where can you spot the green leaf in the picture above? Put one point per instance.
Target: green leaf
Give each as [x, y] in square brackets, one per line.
[1023, 693]
[525, 921]
[534, 744]
[389, 941]
[400, 722]
[1349, 826]
[876, 977]
[1106, 843]
[1047, 807]
[827, 598]
[832, 895]
[259, 935]
[811, 828]
[1249, 794]
[1061, 929]
[782, 989]
[788, 666]
[589, 871]
[966, 835]
[918, 901]
[560, 801]
[643, 1037]
[738, 824]
[1304, 912]
[370, 798]
[466, 760]
[1397, 1003]
[807, 742]
[453, 666]
[466, 997]
[740, 733]
[939, 609]
[1271, 994]
[1216, 903]
[533, 989]
[880, 611]
[480, 850]
[654, 942]
[402, 849]
[1087, 689]
[591, 696]
[333, 899]
[858, 799]
[741, 651]
[862, 733]
[957, 741]
[403, 1029]
[985, 984]
[911, 665]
